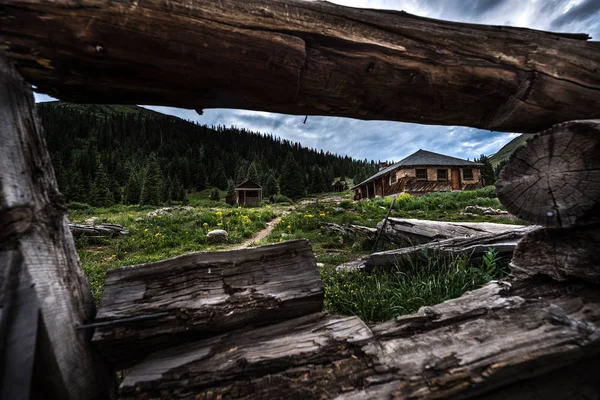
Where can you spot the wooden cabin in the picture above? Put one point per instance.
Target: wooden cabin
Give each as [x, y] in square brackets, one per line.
[339, 186]
[248, 192]
[422, 172]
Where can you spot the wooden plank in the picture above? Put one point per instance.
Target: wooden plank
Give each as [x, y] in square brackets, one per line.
[500, 340]
[10, 269]
[305, 58]
[17, 363]
[204, 294]
[27, 181]
[504, 244]
[554, 181]
[302, 355]
[409, 232]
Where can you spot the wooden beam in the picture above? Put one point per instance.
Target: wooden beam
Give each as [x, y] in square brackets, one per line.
[28, 184]
[302, 57]
[203, 294]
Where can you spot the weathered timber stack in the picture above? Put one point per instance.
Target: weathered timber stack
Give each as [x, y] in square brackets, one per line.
[151, 306]
[555, 182]
[532, 338]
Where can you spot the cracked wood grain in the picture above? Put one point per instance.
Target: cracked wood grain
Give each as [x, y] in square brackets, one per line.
[554, 181]
[495, 342]
[205, 294]
[302, 57]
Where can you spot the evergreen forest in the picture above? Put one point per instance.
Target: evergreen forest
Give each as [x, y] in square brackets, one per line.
[105, 155]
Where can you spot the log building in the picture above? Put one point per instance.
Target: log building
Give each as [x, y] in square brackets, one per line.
[421, 172]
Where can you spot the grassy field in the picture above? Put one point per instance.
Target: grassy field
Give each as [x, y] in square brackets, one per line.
[377, 296]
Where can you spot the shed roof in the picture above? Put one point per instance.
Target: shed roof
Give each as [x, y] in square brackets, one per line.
[424, 158]
[248, 184]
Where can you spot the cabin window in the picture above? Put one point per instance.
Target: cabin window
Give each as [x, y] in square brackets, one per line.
[467, 173]
[442, 174]
[421, 174]
[393, 178]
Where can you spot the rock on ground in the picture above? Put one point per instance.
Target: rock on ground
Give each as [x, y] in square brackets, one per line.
[217, 236]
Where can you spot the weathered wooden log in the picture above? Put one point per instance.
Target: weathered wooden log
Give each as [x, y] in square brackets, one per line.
[485, 343]
[201, 294]
[352, 230]
[409, 232]
[303, 57]
[27, 182]
[504, 244]
[554, 181]
[562, 254]
[97, 230]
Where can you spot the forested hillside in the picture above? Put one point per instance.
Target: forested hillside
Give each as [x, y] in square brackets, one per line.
[127, 154]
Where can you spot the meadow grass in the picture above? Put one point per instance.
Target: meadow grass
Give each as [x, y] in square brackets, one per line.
[157, 238]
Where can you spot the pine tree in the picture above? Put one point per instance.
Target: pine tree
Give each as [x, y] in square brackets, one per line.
[115, 189]
[317, 184]
[291, 181]
[215, 195]
[487, 171]
[152, 189]
[102, 196]
[271, 188]
[253, 173]
[133, 189]
[201, 178]
[230, 188]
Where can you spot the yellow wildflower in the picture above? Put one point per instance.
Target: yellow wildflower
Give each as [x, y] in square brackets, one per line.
[267, 206]
[219, 224]
[158, 234]
[205, 224]
[281, 239]
[146, 230]
[219, 213]
[289, 227]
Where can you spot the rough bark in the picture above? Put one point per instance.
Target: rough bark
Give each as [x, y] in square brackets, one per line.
[203, 294]
[97, 230]
[475, 248]
[488, 342]
[300, 57]
[409, 232]
[27, 182]
[554, 181]
[562, 254]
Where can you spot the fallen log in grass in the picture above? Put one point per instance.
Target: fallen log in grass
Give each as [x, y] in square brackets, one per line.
[474, 247]
[97, 230]
[150, 306]
[409, 232]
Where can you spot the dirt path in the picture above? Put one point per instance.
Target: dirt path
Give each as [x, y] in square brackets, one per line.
[259, 235]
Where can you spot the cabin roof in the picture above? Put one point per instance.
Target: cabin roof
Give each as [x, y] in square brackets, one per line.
[248, 184]
[424, 158]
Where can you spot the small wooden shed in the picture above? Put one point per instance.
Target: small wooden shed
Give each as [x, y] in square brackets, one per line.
[339, 186]
[248, 192]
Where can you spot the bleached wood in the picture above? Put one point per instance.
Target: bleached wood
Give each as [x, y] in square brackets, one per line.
[205, 294]
[302, 57]
[409, 232]
[475, 247]
[27, 182]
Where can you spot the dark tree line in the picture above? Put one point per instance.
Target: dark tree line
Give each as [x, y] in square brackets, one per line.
[104, 155]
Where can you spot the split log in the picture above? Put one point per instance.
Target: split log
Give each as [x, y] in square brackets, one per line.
[486, 343]
[352, 230]
[97, 230]
[304, 355]
[202, 294]
[409, 232]
[562, 254]
[554, 181]
[303, 57]
[28, 184]
[504, 244]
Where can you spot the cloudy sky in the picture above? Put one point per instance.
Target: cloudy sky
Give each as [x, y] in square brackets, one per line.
[371, 139]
